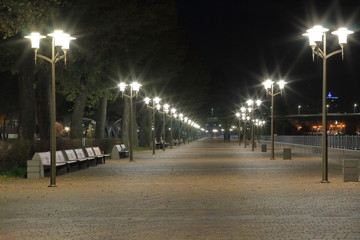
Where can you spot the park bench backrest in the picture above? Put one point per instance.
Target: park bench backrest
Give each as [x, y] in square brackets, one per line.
[90, 152]
[45, 158]
[80, 153]
[70, 154]
[60, 157]
[123, 147]
[97, 151]
[118, 147]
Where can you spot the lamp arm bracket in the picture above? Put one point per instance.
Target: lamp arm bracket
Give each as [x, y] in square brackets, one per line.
[319, 53]
[277, 93]
[58, 58]
[334, 53]
[125, 95]
[44, 57]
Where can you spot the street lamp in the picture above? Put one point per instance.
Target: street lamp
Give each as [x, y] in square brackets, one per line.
[155, 101]
[355, 105]
[173, 114]
[245, 118]
[166, 108]
[238, 115]
[134, 88]
[59, 40]
[269, 88]
[317, 36]
[254, 105]
[299, 108]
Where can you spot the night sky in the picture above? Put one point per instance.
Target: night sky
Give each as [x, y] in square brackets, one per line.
[245, 42]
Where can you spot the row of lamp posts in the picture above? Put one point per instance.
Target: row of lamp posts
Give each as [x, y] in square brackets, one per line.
[317, 41]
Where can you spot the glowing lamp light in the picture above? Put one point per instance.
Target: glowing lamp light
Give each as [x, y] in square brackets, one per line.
[258, 102]
[135, 86]
[166, 107]
[316, 33]
[156, 100]
[59, 37]
[249, 109]
[267, 84]
[147, 100]
[248, 118]
[175, 115]
[342, 34]
[35, 39]
[158, 106]
[66, 38]
[122, 86]
[249, 102]
[173, 110]
[181, 115]
[281, 84]
[237, 114]
[186, 119]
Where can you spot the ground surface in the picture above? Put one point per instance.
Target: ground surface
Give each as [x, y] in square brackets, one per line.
[207, 189]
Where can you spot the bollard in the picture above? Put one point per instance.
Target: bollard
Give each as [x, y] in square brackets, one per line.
[263, 148]
[350, 170]
[287, 153]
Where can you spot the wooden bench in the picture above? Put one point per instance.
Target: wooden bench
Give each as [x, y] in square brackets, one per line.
[98, 153]
[71, 156]
[81, 154]
[119, 151]
[90, 153]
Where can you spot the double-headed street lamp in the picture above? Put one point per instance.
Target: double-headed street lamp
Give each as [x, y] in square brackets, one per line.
[166, 109]
[134, 90]
[269, 87]
[238, 116]
[155, 101]
[254, 105]
[245, 118]
[173, 114]
[59, 47]
[317, 37]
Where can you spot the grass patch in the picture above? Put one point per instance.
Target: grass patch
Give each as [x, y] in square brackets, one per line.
[139, 149]
[15, 172]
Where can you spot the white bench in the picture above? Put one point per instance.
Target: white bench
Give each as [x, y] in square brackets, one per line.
[119, 151]
[80, 154]
[71, 156]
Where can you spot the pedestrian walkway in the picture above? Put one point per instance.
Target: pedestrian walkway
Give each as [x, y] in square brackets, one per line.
[208, 189]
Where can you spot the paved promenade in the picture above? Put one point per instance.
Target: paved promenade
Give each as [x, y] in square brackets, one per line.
[208, 189]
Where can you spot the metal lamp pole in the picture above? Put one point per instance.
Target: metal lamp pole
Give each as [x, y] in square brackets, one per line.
[269, 88]
[156, 100]
[134, 87]
[59, 39]
[317, 35]
[251, 103]
[238, 115]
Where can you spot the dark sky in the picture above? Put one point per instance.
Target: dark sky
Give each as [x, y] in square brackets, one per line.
[244, 42]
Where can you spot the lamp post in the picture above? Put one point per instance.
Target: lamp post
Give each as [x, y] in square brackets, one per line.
[269, 88]
[355, 105]
[251, 103]
[245, 118]
[317, 37]
[181, 117]
[134, 88]
[59, 40]
[165, 111]
[154, 101]
[299, 108]
[173, 114]
[238, 115]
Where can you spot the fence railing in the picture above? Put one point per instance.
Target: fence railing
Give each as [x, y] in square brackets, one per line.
[339, 141]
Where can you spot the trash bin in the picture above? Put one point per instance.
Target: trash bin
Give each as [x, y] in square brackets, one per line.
[287, 153]
[263, 148]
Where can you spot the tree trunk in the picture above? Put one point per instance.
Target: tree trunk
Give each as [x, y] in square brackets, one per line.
[125, 122]
[77, 115]
[101, 118]
[145, 127]
[27, 102]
